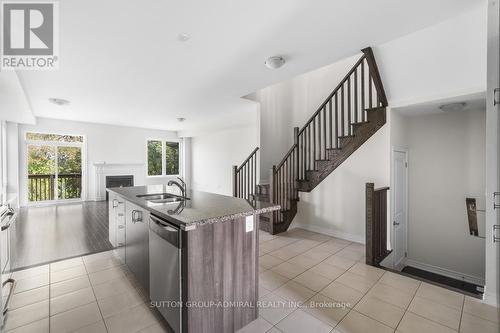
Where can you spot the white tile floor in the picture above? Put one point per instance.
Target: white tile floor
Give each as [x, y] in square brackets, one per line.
[91, 294]
[319, 270]
[308, 283]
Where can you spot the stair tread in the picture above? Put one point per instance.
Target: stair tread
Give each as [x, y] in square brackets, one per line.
[375, 108]
[334, 148]
[347, 136]
[360, 122]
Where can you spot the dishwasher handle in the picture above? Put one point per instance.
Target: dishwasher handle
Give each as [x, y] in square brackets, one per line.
[165, 230]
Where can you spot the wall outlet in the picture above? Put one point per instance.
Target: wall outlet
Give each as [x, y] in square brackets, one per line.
[249, 223]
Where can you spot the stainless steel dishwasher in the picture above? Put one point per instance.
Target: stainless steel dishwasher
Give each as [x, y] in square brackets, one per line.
[165, 274]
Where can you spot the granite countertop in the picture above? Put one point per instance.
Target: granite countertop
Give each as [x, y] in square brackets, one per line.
[201, 208]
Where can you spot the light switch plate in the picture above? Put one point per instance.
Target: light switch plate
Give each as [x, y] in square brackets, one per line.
[249, 223]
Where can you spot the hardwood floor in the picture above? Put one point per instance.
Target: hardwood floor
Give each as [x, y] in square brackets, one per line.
[51, 233]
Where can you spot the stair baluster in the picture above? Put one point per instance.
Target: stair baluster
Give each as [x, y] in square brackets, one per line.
[329, 129]
[342, 123]
[245, 177]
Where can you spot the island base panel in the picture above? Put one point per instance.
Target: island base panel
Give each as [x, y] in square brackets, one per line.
[220, 276]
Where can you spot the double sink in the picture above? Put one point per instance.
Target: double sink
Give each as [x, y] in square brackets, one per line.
[162, 198]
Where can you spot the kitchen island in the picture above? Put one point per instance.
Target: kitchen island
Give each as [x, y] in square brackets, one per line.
[196, 253]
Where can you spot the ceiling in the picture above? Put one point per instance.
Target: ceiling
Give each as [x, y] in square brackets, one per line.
[473, 102]
[121, 61]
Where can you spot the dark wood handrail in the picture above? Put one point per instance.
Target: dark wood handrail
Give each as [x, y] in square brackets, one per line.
[287, 155]
[335, 91]
[380, 189]
[372, 66]
[248, 158]
[245, 176]
[330, 128]
[359, 90]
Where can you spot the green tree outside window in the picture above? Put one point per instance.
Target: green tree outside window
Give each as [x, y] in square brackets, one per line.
[154, 158]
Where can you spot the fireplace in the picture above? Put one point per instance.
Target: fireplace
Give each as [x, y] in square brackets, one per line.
[119, 181]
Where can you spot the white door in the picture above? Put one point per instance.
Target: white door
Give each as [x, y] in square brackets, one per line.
[400, 206]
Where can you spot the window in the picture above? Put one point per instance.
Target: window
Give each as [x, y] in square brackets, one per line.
[54, 166]
[163, 158]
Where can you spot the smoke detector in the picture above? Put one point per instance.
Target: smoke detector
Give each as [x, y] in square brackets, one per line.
[181, 119]
[453, 107]
[59, 101]
[183, 37]
[275, 62]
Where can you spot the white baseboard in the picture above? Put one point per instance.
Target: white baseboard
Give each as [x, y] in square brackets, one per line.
[445, 272]
[330, 232]
[491, 299]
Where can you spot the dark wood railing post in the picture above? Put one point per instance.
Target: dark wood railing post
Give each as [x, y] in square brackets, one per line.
[296, 143]
[375, 74]
[272, 189]
[235, 180]
[370, 201]
[376, 224]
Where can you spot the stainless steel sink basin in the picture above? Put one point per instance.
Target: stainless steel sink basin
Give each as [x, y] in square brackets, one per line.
[162, 198]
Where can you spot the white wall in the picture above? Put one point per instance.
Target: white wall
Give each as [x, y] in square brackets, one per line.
[446, 165]
[447, 59]
[288, 104]
[444, 60]
[104, 143]
[440, 61]
[337, 205]
[13, 103]
[214, 154]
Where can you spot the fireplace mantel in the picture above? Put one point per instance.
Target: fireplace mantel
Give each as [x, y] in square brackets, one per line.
[103, 169]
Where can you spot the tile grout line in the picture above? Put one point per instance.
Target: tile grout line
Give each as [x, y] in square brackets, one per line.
[365, 294]
[461, 315]
[331, 255]
[409, 303]
[432, 320]
[319, 293]
[91, 286]
[315, 293]
[93, 292]
[346, 270]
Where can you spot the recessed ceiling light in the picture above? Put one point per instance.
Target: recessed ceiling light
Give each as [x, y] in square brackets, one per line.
[183, 37]
[181, 119]
[453, 107]
[275, 62]
[59, 101]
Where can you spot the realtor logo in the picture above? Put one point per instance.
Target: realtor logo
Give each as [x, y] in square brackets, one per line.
[29, 35]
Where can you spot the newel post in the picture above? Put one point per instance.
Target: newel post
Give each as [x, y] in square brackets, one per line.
[370, 198]
[296, 142]
[272, 188]
[235, 180]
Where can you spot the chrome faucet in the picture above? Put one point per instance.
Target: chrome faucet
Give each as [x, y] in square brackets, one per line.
[181, 185]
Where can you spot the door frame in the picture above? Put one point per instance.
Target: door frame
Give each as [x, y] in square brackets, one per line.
[492, 247]
[393, 196]
[81, 145]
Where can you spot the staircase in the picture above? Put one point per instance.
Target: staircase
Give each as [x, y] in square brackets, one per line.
[348, 117]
